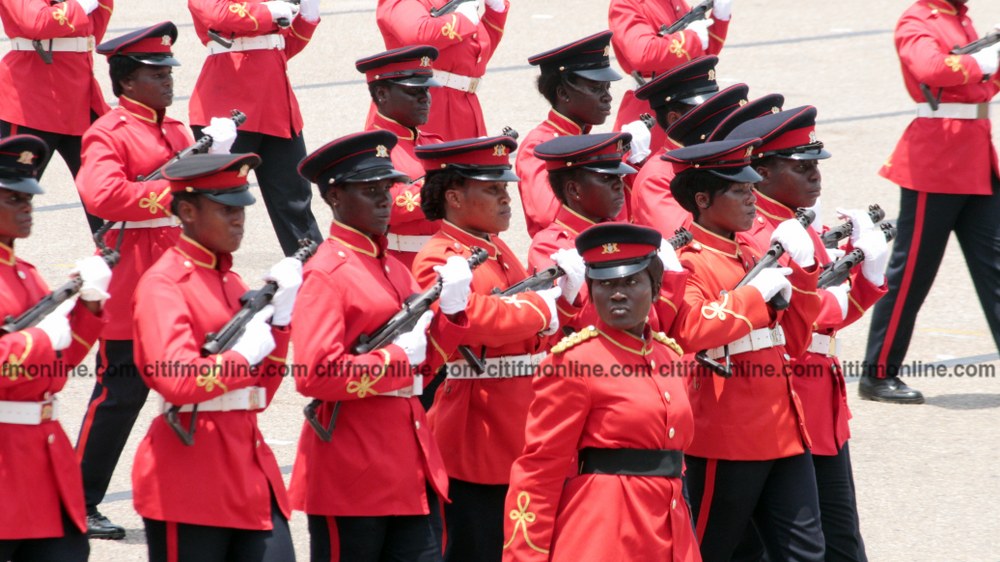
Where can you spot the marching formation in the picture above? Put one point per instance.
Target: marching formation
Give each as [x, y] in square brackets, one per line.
[658, 381]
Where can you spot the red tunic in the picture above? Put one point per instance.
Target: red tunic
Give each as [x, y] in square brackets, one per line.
[819, 380]
[226, 79]
[601, 517]
[39, 473]
[638, 47]
[464, 49]
[653, 203]
[227, 477]
[132, 140]
[539, 203]
[57, 97]
[407, 218]
[755, 414]
[382, 453]
[479, 423]
[942, 155]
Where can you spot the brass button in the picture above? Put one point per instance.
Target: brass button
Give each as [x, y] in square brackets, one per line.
[673, 504]
[671, 433]
[666, 395]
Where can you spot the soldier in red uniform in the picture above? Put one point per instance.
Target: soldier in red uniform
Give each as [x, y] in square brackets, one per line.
[125, 144]
[642, 51]
[250, 75]
[52, 42]
[43, 515]
[465, 41]
[478, 418]
[187, 294]
[788, 163]
[608, 401]
[378, 480]
[399, 81]
[946, 186]
[576, 81]
[749, 459]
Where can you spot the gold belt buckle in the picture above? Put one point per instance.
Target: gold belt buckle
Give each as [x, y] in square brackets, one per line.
[47, 412]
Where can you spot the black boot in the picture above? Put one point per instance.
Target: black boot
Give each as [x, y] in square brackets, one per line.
[889, 389]
[100, 527]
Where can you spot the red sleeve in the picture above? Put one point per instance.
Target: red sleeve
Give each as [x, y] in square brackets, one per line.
[298, 35]
[40, 20]
[237, 18]
[539, 203]
[406, 203]
[927, 59]
[637, 40]
[797, 321]
[411, 23]
[100, 18]
[671, 298]
[494, 23]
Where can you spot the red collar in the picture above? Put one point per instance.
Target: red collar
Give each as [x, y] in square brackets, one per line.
[713, 241]
[395, 127]
[141, 111]
[626, 341]
[947, 7]
[202, 256]
[7, 254]
[772, 209]
[572, 221]
[358, 241]
[470, 240]
[565, 125]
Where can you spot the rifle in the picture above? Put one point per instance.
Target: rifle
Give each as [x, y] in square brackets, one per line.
[285, 22]
[777, 302]
[838, 272]
[988, 40]
[543, 280]
[448, 7]
[831, 238]
[200, 146]
[697, 13]
[226, 337]
[509, 131]
[403, 321]
[49, 302]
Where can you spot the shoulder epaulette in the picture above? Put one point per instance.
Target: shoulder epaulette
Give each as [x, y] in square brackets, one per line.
[668, 341]
[574, 339]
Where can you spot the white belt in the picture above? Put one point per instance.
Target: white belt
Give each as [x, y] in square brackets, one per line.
[58, 44]
[955, 111]
[258, 43]
[151, 223]
[415, 390]
[250, 398]
[407, 242]
[457, 81]
[824, 345]
[28, 413]
[762, 338]
[503, 367]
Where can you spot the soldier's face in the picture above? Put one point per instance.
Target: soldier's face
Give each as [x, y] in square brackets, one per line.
[793, 183]
[623, 303]
[479, 207]
[151, 85]
[597, 196]
[15, 215]
[730, 211]
[408, 105]
[585, 101]
[363, 206]
[215, 226]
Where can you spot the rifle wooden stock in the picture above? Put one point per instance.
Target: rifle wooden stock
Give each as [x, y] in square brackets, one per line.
[840, 270]
[831, 238]
[697, 13]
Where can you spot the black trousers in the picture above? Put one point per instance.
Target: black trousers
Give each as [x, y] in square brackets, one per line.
[119, 394]
[474, 521]
[389, 538]
[68, 147]
[181, 542]
[71, 547]
[779, 496]
[926, 221]
[286, 194]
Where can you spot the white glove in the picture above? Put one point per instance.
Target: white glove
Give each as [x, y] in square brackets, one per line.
[287, 273]
[988, 59]
[876, 251]
[550, 296]
[576, 272]
[817, 223]
[496, 5]
[56, 325]
[223, 133]
[456, 279]
[280, 9]
[640, 140]
[700, 28]
[256, 341]
[87, 5]
[835, 253]
[414, 342]
[772, 281]
[96, 276]
[470, 10]
[669, 257]
[861, 223]
[309, 10]
[796, 242]
[839, 292]
[722, 10]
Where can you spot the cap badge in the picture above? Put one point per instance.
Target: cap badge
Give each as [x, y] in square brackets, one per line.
[812, 137]
[244, 170]
[499, 150]
[775, 109]
[749, 152]
[609, 248]
[607, 51]
[165, 40]
[621, 146]
[711, 75]
[743, 102]
[381, 151]
[425, 61]
[26, 157]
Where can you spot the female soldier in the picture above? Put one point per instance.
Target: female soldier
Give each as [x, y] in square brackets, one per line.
[478, 417]
[374, 474]
[43, 516]
[607, 400]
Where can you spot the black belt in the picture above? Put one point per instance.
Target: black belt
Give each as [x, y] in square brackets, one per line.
[666, 463]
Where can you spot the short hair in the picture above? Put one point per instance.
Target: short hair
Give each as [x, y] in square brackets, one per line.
[691, 181]
[175, 201]
[662, 111]
[436, 183]
[376, 84]
[121, 68]
[548, 82]
[558, 180]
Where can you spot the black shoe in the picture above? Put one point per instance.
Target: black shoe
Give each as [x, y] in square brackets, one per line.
[889, 389]
[100, 527]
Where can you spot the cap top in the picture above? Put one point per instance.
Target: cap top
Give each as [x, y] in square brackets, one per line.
[728, 159]
[360, 157]
[483, 158]
[692, 83]
[694, 126]
[589, 57]
[151, 45]
[615, 250]
[786, 134]
[601, 152]
[406, 66]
